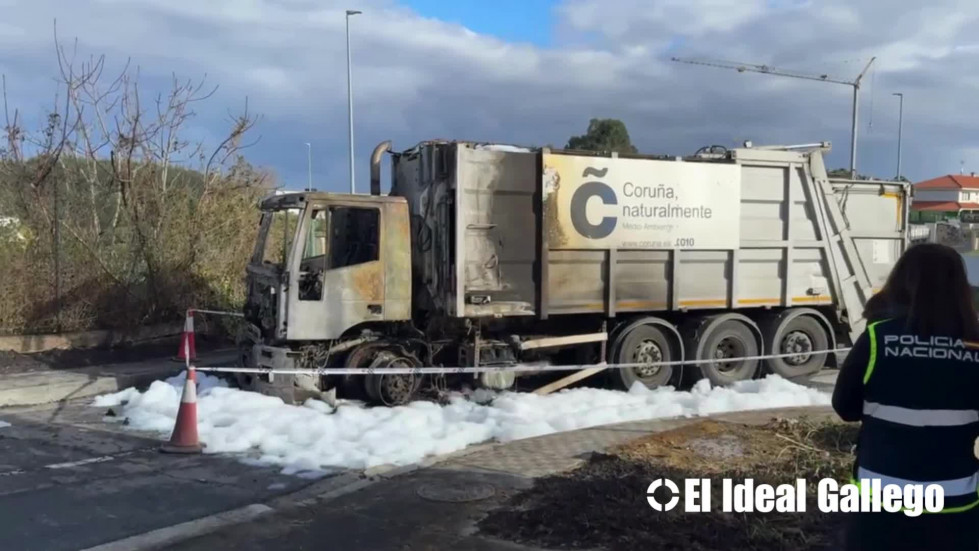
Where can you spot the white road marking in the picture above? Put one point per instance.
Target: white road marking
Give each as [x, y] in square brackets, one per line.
[102, 459]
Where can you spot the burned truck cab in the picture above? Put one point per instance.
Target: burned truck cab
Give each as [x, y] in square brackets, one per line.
[325, 265]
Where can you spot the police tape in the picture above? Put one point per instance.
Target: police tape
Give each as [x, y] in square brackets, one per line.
[520, 368]
[217, 312]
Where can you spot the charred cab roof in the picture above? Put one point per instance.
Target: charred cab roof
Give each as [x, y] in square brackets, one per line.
[298, 199]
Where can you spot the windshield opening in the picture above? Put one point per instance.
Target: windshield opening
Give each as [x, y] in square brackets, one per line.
[277, 231]
[315, 247]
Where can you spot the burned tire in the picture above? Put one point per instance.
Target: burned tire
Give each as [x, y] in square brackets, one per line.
[640, 344]
[724, 342]
[245, 381]
[799, 335]
[392, 389]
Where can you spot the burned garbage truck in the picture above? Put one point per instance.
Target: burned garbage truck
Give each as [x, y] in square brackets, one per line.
[496, 255]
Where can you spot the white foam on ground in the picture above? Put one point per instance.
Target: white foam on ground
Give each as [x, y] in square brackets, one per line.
[313, 439]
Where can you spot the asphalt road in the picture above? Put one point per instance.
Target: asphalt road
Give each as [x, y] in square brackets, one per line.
[68, 481]
[394, 515]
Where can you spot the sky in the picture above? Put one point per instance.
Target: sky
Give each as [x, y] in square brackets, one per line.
[529, 72]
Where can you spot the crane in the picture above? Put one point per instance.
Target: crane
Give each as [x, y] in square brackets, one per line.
[768, 70]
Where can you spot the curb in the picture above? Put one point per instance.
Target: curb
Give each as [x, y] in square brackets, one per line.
[186, 530]
[32, 389]
[28, 344]
[35, 388]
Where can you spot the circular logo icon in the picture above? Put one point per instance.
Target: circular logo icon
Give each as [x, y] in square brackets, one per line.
[654, 503]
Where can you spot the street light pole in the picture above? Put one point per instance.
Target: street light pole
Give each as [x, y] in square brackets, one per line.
[350, 103]
[853, 129]
[853, 132]
[900, 130]
[309, 167]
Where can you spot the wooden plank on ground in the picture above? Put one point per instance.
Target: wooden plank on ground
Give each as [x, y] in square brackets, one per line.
[570, 379]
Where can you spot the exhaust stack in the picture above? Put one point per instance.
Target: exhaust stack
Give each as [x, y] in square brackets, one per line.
[380, 150]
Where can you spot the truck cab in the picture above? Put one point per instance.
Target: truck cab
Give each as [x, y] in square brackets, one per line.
[325, 264]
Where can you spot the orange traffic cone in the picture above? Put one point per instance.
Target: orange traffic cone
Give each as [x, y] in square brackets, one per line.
[187, 351]
[184, 438]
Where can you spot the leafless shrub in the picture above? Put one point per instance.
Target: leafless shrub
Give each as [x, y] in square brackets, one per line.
[113, 218]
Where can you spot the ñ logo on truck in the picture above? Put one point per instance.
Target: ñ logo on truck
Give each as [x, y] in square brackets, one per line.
[579, 205]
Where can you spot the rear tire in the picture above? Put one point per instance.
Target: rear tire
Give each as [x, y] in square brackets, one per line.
[245, 381]
[641, 344]
[731, 338]
[801, 334]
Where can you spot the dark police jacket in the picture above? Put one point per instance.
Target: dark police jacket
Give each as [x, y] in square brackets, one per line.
[918, 401]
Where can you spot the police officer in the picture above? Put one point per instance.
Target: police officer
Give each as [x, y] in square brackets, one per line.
[912, 380]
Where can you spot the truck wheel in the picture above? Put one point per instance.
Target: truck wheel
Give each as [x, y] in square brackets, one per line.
[643, 344]
[392, 389]
[245, 381]
[724, 342]
[798, 335]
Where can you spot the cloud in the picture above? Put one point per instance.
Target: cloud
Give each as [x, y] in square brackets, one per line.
[623, 18]
[416, 78]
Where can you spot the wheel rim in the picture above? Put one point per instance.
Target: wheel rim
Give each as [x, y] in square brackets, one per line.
[729, 347]
[647, 352]
[799, 344]
[396, 389]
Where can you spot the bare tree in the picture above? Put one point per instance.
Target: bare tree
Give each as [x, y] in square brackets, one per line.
[150, 210]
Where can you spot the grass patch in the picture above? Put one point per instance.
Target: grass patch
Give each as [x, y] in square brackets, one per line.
[603, 503]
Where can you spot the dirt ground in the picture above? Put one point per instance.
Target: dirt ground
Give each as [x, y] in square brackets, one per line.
[602, 505]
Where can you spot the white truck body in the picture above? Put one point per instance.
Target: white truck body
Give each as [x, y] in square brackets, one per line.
[757, 228]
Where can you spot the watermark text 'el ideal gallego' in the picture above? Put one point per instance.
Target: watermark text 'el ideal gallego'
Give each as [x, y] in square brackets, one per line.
[869, 496]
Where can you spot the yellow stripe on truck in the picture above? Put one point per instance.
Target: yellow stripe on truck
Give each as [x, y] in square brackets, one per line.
[810, 300]
[898, 201]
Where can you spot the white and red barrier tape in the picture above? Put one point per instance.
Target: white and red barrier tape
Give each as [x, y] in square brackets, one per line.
[524, 368]
[217, 312]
